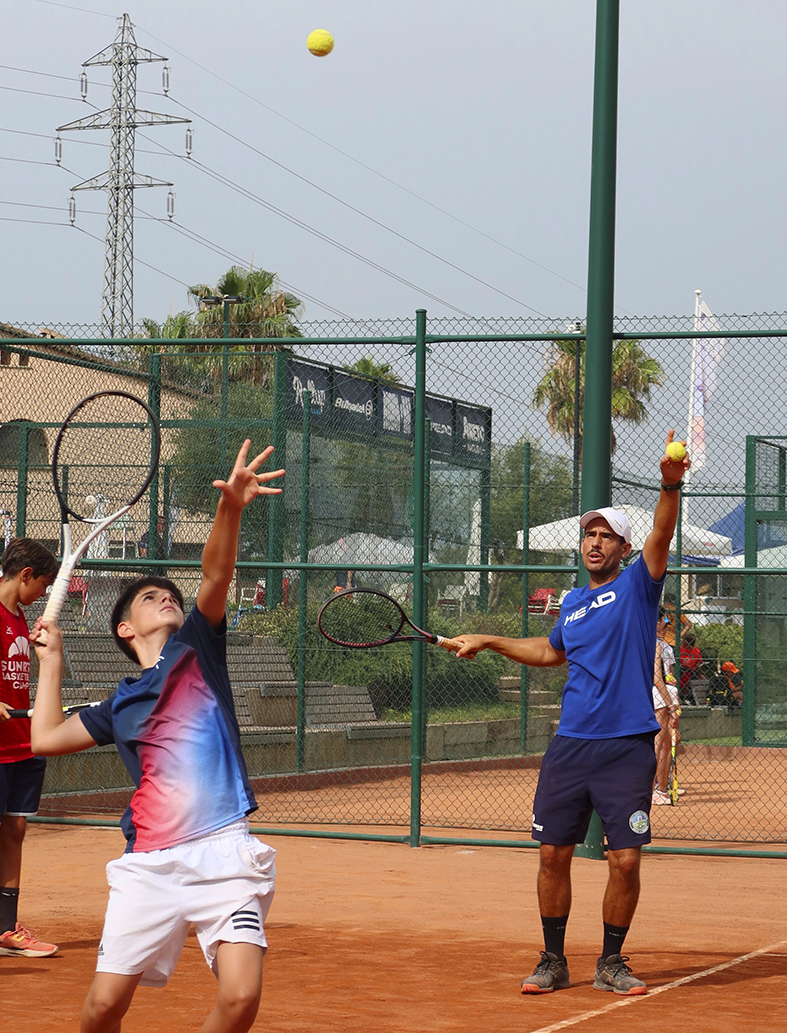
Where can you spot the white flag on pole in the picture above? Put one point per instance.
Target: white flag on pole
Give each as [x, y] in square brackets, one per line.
[707, 354]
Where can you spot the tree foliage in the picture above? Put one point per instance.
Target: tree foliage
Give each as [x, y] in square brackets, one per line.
[634, 375]
[266, 311]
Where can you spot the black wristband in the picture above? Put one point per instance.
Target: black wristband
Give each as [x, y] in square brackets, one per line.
[671, 487]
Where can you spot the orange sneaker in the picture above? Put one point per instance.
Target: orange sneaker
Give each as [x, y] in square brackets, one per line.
[22, 943]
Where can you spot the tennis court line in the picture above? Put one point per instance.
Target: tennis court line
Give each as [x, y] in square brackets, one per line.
[622, 1001]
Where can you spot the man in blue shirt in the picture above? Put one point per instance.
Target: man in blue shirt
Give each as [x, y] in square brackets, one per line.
[602, 757]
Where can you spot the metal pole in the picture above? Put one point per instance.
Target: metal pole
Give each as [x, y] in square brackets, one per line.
[419, 608]
[21, 482]
[523, 671]
[577, 389]
[154, 401]
[750, 597]
[300, 723]
[597, 424]
[225, 366]
[273, 579]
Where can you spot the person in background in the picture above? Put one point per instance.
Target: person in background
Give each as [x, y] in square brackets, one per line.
[690, 665]
[28, 569]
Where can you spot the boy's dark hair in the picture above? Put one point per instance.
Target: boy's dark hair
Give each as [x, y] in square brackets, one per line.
[27, 552]
[689, 640]
[122, 608]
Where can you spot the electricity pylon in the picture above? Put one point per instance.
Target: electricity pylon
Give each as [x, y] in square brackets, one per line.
[120, 180]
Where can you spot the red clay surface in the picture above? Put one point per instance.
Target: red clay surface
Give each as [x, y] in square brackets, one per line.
[379, 938]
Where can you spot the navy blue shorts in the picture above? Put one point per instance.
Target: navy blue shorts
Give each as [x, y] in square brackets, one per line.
[611, 776]
[21, 782]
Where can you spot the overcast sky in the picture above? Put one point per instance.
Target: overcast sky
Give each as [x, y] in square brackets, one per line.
[482, 109]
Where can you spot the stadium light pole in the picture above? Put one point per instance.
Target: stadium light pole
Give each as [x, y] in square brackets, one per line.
[597, 421]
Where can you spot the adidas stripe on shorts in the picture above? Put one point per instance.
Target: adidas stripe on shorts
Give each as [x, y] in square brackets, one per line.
[222, 882]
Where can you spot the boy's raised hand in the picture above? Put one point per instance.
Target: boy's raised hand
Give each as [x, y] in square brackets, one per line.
[244, 483]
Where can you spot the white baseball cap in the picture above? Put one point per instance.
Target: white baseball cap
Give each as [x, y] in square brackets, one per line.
[616, 519]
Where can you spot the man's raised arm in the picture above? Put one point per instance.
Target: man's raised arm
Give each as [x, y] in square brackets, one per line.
[655, 551]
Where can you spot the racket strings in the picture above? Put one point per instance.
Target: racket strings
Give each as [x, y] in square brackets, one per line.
[104, 455]
[361, 618]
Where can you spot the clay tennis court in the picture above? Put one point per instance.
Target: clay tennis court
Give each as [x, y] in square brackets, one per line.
[369, 936]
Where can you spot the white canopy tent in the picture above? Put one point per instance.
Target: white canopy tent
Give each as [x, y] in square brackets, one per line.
[563, 535]
[361, 547]
[775, 557]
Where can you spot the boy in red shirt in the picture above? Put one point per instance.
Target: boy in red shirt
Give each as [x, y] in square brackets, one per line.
[28, 570]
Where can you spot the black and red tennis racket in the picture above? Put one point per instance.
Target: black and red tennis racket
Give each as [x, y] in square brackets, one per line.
[74, 708]
[360, 618]
[103, 461]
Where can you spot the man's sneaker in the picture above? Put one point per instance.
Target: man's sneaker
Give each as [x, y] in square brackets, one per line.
[613, 973]
[551, 973]
[660, 798]
[22, 943]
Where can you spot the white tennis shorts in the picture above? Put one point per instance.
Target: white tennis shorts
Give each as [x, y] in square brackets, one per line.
[222, 882]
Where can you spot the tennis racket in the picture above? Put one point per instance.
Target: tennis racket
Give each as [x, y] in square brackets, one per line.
[672, 778]
[104, 458]
[360, 618]
[68, 711]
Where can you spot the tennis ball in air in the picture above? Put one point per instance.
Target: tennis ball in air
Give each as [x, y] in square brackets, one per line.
[676, 451]
[320, 42]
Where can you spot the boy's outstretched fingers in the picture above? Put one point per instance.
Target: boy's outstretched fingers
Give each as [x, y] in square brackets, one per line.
[245, 483]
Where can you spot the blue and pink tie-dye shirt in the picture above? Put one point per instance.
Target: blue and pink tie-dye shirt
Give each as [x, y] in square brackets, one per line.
[176, 732]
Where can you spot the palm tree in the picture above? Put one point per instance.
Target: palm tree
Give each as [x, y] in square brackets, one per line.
[181, 325]
[373, 370]
[265, 311]
[634, 374]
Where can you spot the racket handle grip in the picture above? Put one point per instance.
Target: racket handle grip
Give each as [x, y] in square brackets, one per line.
[20, 713]
[57, 596]
[450, 644]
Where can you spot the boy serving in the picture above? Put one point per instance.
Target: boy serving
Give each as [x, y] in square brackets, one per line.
[189, 856]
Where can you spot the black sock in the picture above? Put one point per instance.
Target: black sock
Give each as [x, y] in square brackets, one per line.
[614, 935]
[554, 934]
[9, 901]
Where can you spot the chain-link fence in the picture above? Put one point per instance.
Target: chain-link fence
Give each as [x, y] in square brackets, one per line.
[484, 539]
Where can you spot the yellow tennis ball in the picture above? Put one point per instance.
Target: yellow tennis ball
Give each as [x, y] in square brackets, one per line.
[676, 451]
[320, 42]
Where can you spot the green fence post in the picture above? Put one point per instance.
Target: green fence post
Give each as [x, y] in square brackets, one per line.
[419, 608]
[597, 421]
[427, 533]
[21, 482]
[749, 709]
[154, 401]
[524, 671]
[273, 578]
[483, 584]
[300, 721]
[678, 592]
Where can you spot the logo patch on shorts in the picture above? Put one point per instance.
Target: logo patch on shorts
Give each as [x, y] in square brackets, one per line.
[639, 822]
[244, 919]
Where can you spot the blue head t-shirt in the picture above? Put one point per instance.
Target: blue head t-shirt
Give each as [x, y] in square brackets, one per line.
[176, 732]
[609, 637]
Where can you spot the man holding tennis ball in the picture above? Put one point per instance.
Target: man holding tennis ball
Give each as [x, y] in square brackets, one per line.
[602, 756]
[190, 857]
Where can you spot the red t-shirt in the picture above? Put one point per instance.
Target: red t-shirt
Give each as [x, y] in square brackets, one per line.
[14, 685]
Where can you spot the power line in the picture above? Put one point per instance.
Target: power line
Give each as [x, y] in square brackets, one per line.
[80, 143]
[67, 78]
[357, 211]
[368, 168]
[70, 7]
[225, 253]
